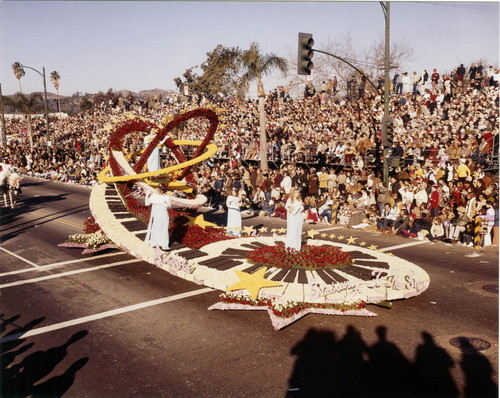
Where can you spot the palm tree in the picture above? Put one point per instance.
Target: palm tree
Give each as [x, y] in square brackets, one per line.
[18, 70]
[54, 77]
[254, 66]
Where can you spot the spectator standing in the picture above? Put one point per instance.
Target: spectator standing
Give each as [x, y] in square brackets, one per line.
[416, 83]
[435, 81]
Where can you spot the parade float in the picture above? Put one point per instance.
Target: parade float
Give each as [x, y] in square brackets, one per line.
[331, 274]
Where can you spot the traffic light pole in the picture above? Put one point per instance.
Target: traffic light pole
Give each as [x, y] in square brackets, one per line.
[305, 65]
[348, 63]
[376, 138]
[387, 84]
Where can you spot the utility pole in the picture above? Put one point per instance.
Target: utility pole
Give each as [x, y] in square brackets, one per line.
[3, 135]
[387, 82]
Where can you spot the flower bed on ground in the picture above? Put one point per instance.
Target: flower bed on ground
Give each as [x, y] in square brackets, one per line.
[309, 257]
[286, 308]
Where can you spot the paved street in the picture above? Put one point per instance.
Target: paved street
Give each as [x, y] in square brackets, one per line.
[109, 325]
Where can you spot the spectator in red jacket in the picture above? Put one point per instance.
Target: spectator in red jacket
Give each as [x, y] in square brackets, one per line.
[434, 201]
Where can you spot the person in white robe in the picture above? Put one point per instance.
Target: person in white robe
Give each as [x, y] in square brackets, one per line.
[294, 221]
[153, 159]
[157, 233]
[233, 203]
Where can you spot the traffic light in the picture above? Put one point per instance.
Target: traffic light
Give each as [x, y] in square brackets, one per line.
[305, 54]
[387, 131]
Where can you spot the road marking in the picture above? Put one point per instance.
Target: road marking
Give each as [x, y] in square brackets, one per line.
[19, 257]
[78, 271]
[57, 218]
[419, 242]
[102, 315]
[54, 265]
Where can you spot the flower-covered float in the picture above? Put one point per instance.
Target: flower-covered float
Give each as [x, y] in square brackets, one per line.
[254, 272]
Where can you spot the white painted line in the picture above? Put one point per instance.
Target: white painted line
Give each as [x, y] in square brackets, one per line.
[102, 315]
[419, 242]
[20, 258]
[53, 265]
[78, 271]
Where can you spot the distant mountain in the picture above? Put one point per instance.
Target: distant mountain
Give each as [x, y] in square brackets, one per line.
[141, 94]
[148, 93]
[79, 101]
[50, 96]
[155, 92]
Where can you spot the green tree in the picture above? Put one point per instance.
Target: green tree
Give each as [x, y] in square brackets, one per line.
[55, 78]
[19, 72]
[85, 103]
[219, 74]
[190, 79]
[27, 105]
[110, 98]
[254, 66]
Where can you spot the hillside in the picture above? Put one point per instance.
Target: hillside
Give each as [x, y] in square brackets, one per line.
[80, 101]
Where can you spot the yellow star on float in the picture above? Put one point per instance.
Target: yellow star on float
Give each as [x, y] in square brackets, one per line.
[263, 229]
[274, 230]
[362, 243]
[372, 247]
[312, 233]
[282, 230]
[248, 230]
[323, 235]
[252, 282]
[200, 220]
[351, 240]
[340, 237]
[333, 236]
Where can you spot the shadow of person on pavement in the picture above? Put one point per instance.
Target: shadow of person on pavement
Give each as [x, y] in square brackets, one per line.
[8, 357]
[478, 373]
[349, 367]
[315, 365]
[57, 386]
[14, 338]
[351, 354]
[35, 367]
[6, 322]
[388, 369]
[432, 367]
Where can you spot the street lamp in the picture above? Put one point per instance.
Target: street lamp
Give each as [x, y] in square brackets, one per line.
[45, 93]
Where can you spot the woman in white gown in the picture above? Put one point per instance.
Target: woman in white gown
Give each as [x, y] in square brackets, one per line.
[294, 221]
[233, 203]
[157, 233]
[154, 161]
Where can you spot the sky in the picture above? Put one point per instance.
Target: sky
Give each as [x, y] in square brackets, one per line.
[98, 45]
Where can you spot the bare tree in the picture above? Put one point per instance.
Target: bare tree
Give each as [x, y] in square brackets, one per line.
[369, 60]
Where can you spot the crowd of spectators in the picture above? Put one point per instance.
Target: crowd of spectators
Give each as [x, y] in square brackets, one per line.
[442, 172]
